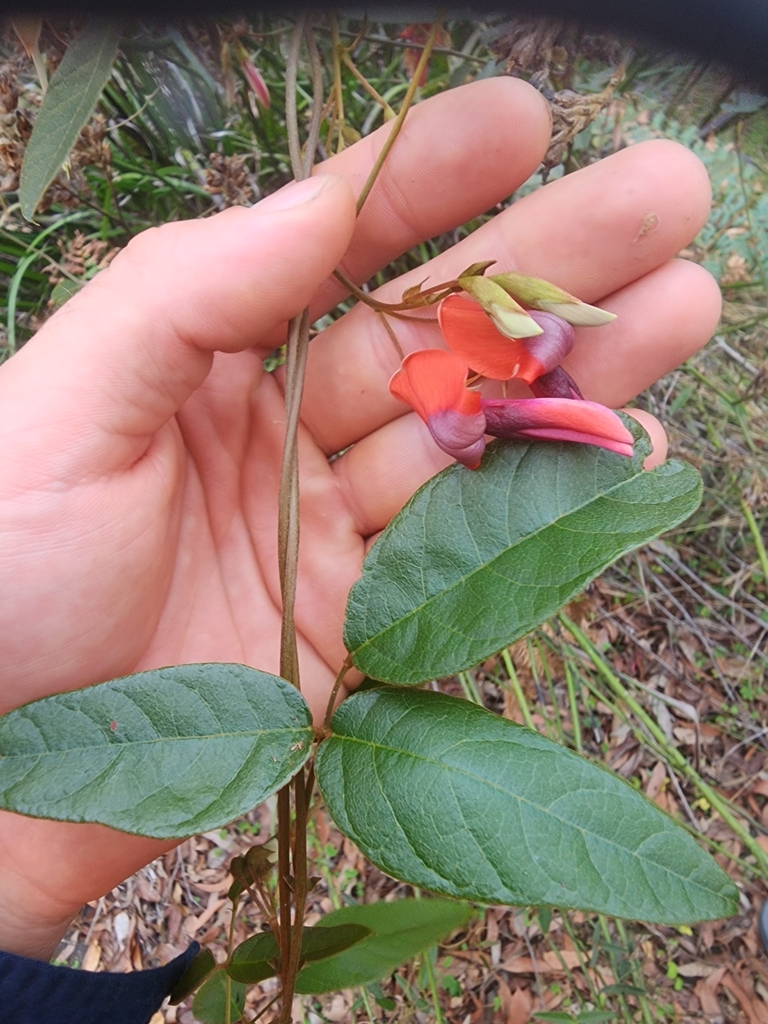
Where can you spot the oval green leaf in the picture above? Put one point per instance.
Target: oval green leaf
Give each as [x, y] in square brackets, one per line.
[201, 968]
[210, 1003]
[400, 930]
[258, 957]
[440, 793]
[255, 959]
[72, 95]
[166, 753]
[476, 560]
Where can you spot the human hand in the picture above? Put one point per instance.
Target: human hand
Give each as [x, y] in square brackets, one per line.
[141, 438]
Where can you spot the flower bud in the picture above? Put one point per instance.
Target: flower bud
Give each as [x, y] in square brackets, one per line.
[540, 294]
[553, 344]
[256, 82]
[508, 316]
[556, 384]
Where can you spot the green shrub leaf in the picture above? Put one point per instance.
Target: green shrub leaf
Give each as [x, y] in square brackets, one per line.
[201, 968]
[164, 753]
[255, 959]
[72, 95]
[210, 1003]
[476, 560]
[399, 931]
[440, 793]
[258, 957]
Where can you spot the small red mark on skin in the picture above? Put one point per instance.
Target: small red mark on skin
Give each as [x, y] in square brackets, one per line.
[112, 726]
[647, 224]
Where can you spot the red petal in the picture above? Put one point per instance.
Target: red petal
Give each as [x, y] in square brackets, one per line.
[431, 381]
[558, 419]
[469, 331]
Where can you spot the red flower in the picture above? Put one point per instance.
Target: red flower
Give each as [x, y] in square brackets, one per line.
[469, 331]
[433, 383]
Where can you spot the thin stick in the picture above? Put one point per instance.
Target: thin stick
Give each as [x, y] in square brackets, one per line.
[349, 63]
[392, 336]
[334, 692]
[398, 122]
[337, 88]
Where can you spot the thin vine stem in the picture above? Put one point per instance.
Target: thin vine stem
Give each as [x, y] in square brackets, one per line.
[335, 692]
[288, 509]
[389, 113]
[338, 92]
[293, 882]
[400, 119]
[435, 294]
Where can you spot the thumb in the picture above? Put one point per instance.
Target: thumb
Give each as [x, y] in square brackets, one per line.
[120, 358]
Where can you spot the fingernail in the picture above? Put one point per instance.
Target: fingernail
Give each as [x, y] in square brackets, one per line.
[294, 194]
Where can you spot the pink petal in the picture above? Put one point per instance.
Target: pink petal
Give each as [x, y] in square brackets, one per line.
[256, 82]
[558, 419]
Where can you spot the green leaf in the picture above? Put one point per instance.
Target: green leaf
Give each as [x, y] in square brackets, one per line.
[440, 793]
[476, 560]
[330, 940]
[258, 957]
[201, 967]
[210, 1003]
[64, 291]
[72, 95]
[255, 959]
[400, 930]
[164, 753]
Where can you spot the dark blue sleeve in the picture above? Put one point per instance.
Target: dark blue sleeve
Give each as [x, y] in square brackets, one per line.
[33, 992]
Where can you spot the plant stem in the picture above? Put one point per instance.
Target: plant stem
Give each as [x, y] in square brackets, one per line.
[283, 874]
[754, 529]
[338, 93]
[517, 690]
[398, 122]
[300, 889]
[350, 65]
[392, 336]
[576, 722]
[289, 938]
[334, 692]
[435, 293]
[430, 972]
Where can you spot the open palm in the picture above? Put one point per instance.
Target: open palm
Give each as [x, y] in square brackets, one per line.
[141, 437]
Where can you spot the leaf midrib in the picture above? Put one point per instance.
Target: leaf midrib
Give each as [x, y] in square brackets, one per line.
[487, 565]
[135, 744]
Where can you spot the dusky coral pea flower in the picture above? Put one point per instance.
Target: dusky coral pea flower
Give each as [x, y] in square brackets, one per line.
[470, 332]
[433, 383]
